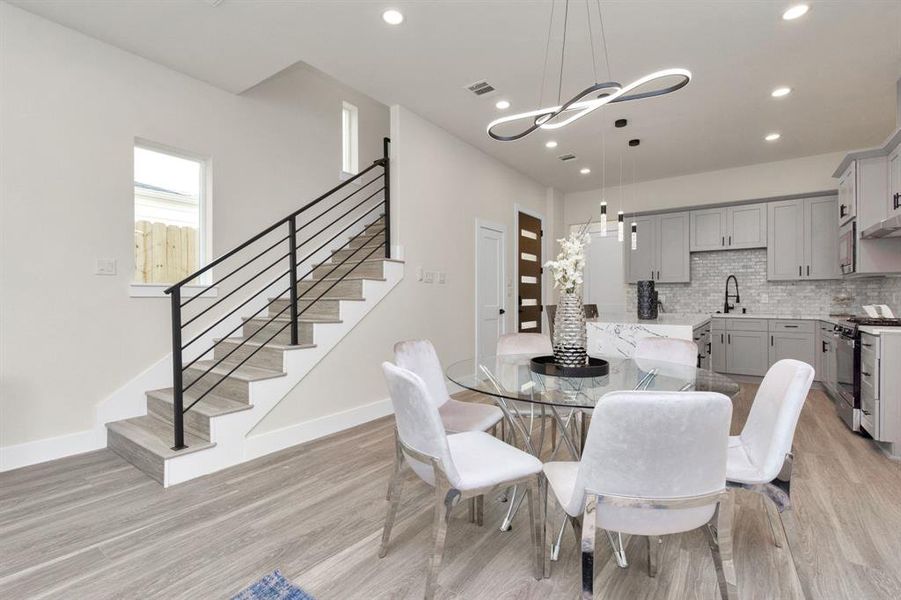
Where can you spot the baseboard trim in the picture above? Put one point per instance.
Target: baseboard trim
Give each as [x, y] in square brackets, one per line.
[38, 451]
[279, 439]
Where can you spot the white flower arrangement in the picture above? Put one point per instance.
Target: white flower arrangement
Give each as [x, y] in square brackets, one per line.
[568, 267]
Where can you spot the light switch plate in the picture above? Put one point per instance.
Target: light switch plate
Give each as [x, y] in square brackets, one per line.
[105, 266]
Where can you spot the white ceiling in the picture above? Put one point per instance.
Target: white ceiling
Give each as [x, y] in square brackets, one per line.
[842, 59]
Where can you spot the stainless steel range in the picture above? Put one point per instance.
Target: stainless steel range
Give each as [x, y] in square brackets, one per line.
[847, 334]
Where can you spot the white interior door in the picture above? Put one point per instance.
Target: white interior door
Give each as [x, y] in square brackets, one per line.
[604, 276]
[489, 288]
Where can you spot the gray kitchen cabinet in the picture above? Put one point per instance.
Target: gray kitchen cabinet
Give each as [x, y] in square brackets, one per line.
[847, 194]
[718, 350]
[802, 239]
[640, 263]
[799, 346]
[661, 252]
[746, 352]
[820, 239]
[894, 190]
[729, 228]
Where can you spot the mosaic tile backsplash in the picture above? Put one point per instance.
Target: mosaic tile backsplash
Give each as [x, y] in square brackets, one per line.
[709, 271]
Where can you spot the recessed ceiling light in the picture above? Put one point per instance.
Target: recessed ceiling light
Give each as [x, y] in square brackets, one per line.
[502, 104]
[772, 137]
[798, 10]
[392, 17]
[584, 170]
[550, 144]
[781, 91]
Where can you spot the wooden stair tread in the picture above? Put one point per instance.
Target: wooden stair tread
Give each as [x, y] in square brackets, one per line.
[243, 373]
[354, 261]
[329, 299]
[210, 406]
[285, 318]
[156, 436]
[347, 278]
[256, 343]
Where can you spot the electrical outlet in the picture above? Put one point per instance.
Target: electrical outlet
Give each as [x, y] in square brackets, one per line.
[442, 277]
[105, 266]
[428, 277]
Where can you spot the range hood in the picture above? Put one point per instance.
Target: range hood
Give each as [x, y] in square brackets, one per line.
[890, 227]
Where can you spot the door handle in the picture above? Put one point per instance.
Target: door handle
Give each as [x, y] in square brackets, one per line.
[502, 312]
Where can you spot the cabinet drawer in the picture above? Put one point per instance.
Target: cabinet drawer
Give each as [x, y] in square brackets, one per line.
[869, 343]
[718, 324]
[869, 408]
[746, 324]
[869, 375]
[794, 326]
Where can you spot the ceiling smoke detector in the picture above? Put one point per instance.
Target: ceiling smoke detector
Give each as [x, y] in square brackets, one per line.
[480, 88]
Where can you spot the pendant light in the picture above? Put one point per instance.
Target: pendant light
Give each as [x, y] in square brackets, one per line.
[603, 185]
[620, 223]
[634, 235]
[620, 226]
[603, 219]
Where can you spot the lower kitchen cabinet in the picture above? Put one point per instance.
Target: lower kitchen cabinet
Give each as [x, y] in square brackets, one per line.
[799, 346]
[718, 350]
[746, 352]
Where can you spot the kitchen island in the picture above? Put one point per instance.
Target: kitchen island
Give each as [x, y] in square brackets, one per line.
[615, 334]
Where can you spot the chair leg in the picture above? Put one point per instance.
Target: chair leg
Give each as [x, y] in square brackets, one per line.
[445, 499]
[772, 516]
[515, 499]
[619, 550]
[558, 540]
[472, 509]
[533, 494]
[654, 543]
[719, 537]
[395, 487]
[589, 525]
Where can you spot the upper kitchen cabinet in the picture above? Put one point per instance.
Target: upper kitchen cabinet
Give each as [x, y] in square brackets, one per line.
[894, 191]
[847, 194]
[729, 228]
[661, 253]
[802, 239]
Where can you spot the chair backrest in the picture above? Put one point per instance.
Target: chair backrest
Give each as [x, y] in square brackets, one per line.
[419, 425]
[536, 344]
[419, 356]
[681, 352]
[770, 429]
[656, 445]
[591, 311]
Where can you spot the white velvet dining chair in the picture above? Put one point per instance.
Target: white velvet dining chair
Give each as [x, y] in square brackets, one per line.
[459, 466]
[419, 356]
[654, 464]
[671, 350]
[761, 457]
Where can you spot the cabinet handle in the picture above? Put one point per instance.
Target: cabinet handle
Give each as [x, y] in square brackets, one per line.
[824, 345]
[790, 326]
[865, 374]
[842, 210]
[808, 270]
[771, 340]
[658, 275]
[723, 243]
[865, 344]
[896, 200]
[866, 412]
[729, 338]
[799, 271]
[721, 339]
[730, 240]
[652, 274]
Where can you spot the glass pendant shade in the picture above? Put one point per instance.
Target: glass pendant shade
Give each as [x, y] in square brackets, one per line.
[620, 226]
[634, 236]
[603, 219]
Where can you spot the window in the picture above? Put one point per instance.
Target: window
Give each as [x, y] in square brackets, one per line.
[169, 189]
[350, 151]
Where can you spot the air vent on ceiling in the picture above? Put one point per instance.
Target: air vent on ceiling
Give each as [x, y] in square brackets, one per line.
[480, 88]
[567, 157]
[214, 3]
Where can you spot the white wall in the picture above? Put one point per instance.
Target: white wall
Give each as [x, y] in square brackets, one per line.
[70, 109]
[796, 176]
[441, 185]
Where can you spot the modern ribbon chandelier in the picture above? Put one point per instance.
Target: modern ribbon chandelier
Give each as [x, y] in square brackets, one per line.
[592, 97]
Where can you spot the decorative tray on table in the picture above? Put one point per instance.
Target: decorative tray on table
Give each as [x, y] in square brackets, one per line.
[545, 365]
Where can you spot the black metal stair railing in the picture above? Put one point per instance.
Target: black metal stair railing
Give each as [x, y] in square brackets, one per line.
[282, 243]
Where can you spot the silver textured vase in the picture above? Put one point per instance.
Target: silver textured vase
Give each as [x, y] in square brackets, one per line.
[570, 336]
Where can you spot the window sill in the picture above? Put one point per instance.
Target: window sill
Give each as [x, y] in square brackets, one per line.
[157, 290]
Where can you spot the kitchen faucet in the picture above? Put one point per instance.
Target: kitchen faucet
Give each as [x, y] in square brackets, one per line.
[727, 307]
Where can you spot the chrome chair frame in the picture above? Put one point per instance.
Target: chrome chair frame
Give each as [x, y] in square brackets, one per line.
[777, 494]
[718, 530]
[446, 498]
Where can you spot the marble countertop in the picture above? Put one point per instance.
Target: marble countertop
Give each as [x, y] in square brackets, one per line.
[686, 320]
[877, 330]
[797, 316]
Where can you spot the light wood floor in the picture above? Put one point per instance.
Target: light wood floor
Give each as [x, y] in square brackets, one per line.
[93, 526]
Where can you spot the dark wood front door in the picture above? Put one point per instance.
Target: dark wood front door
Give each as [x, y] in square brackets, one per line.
[528, 254]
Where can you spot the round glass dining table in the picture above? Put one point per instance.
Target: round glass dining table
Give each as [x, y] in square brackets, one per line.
[510, 377]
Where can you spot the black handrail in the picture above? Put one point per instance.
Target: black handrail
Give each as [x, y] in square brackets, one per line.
[295, 243]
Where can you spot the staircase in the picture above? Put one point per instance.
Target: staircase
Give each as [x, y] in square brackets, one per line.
[228, 383]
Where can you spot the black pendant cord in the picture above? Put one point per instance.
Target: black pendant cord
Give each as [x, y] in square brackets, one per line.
[604, 40]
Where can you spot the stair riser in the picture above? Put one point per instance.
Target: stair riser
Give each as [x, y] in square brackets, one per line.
[321, 309]
[340, 255]
[311, 290]
[197, 423]
[143, 459]
[374, 269]
[266, 357]
[231, 388]
[304, 333]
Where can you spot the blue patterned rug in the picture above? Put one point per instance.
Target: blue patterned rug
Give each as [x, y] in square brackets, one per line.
[273, 587]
